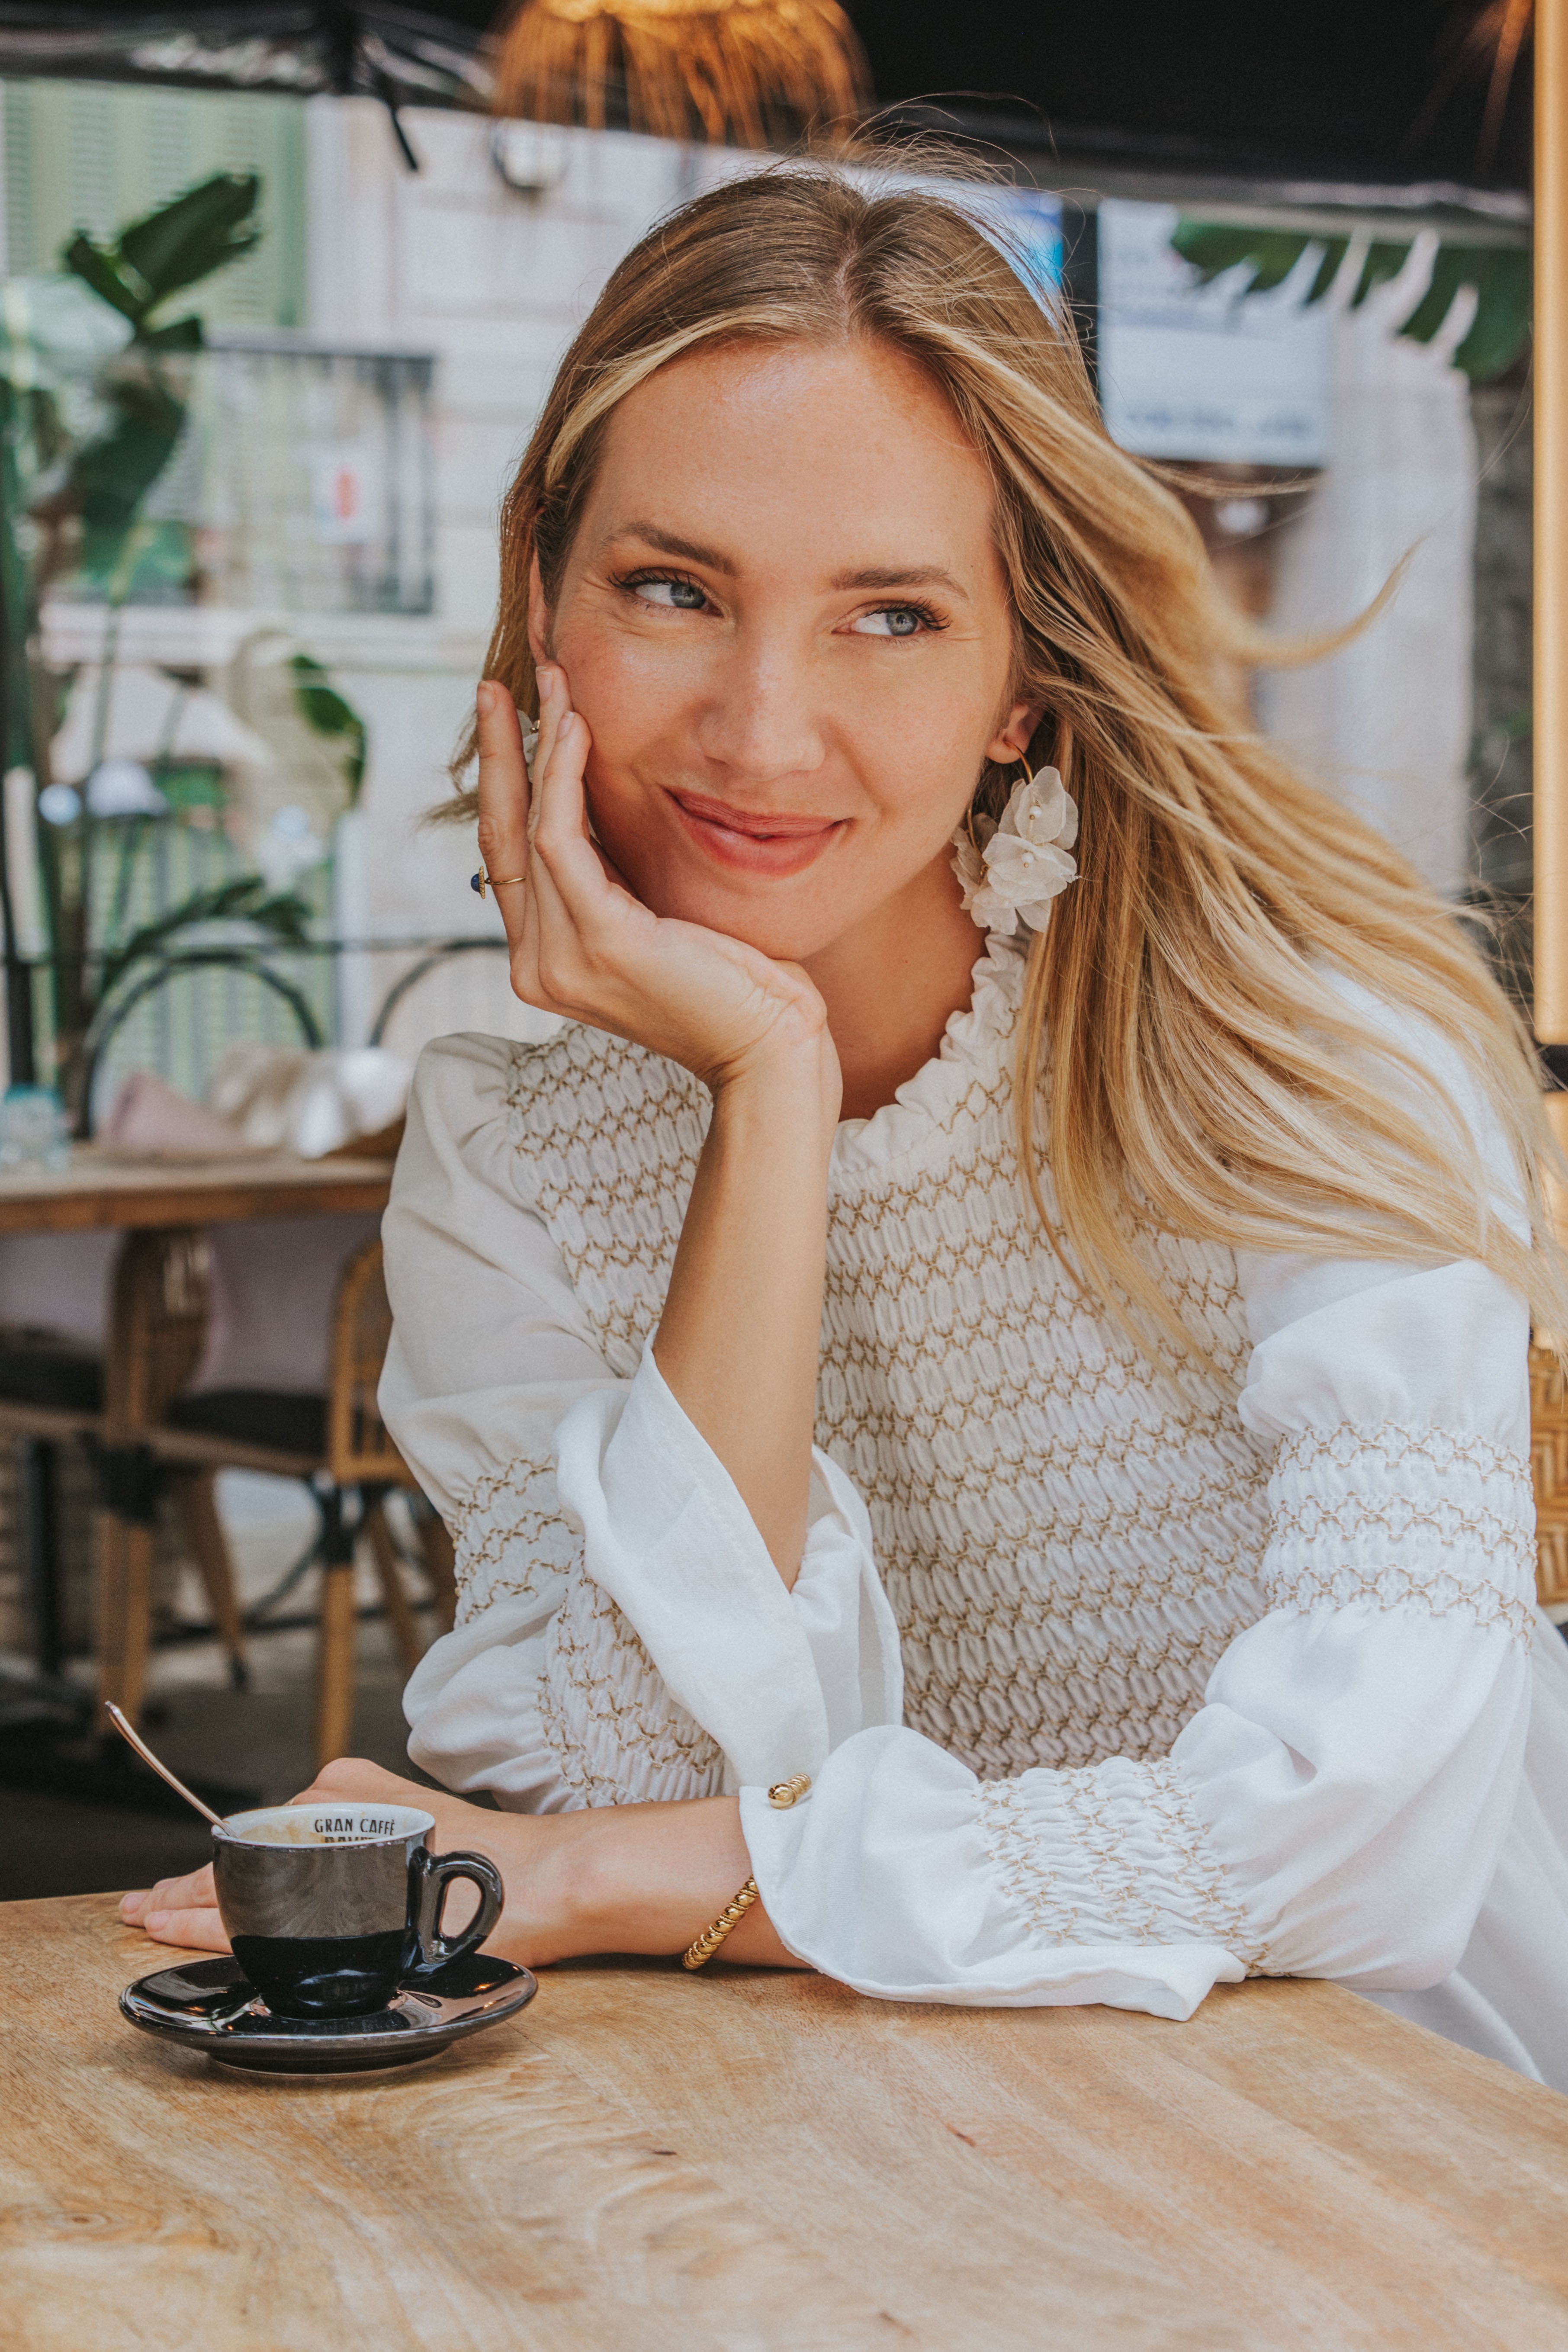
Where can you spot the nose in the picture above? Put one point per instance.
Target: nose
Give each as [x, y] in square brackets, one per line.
[759, 725]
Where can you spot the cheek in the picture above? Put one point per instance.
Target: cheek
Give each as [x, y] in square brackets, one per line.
[625, 692]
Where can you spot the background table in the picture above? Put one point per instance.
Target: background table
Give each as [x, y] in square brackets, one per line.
[646, 2161]
[104, 1187]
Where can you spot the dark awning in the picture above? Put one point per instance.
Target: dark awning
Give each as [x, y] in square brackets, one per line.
[1375, 93]
[297, 48]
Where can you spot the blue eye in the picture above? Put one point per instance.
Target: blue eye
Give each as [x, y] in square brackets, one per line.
[677, 595]
[893, 621]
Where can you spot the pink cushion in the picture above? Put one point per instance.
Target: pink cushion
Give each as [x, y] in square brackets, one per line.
[273, 1286]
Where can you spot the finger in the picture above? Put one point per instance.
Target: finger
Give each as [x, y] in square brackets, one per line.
[357, 1778]
[565, 853]
[196, 1887]
[191, 1930]
[503, 797]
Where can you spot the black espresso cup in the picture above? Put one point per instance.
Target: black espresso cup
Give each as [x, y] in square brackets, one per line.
[328, 1908]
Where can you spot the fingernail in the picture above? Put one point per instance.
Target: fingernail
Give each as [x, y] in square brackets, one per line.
[485, 698]
[546, 682]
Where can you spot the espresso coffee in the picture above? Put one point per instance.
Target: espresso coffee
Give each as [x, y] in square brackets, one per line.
[330, 1907]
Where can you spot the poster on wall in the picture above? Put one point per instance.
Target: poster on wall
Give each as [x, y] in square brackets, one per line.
[1197, 372]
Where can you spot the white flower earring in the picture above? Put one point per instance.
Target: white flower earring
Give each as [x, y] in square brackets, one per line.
[1009, 873]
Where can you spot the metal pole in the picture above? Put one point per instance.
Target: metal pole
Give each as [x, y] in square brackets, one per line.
[18, 977]
[1551, 370]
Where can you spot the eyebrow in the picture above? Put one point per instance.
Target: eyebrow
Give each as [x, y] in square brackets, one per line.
[920, 575]
[669, 542]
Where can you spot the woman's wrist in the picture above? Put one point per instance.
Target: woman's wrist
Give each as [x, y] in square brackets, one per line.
[630, 1878]
[792, 1090]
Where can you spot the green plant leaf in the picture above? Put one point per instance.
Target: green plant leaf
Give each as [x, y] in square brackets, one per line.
[110, 476]
[200, 232]
[324, 709]
[177, 246]
[101, 271]
[182, 335]
[1501, 331]
[1501, 275]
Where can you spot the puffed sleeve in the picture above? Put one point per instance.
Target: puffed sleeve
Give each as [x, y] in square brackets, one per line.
[1338, 1805]
[622, 1631]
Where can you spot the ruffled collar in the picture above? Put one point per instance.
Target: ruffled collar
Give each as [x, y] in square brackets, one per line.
[974, 1047]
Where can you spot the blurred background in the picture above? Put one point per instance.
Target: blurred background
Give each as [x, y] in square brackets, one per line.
[283, 287]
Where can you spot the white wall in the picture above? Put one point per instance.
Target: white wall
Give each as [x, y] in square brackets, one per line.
[451, 261]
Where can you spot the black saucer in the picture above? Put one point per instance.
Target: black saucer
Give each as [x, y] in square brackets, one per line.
[207, 2005]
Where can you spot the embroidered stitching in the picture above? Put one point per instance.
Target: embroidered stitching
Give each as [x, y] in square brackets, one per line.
[1069, 1539]
[1341, 1541]
[495, 1555]
[618, 1736]
[1125, 1897]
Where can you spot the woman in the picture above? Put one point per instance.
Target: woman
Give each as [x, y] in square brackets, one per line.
[1054, 1407]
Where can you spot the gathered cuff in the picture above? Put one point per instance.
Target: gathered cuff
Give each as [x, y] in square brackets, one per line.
[904, 1876]
[1114, 1853]
[1402, 1517]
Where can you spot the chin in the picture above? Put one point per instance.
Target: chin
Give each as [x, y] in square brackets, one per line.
[787, 922]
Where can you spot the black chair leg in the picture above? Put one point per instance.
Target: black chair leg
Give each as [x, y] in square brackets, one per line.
[38, 1549]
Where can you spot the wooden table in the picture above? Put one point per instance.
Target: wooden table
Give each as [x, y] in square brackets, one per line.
[647, 2162]
[103, 1187]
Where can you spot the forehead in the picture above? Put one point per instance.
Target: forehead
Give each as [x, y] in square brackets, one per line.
[839, 447]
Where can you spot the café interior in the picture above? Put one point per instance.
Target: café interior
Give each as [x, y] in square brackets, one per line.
[247, 579]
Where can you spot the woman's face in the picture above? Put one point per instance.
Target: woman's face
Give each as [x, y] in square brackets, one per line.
[786, 623]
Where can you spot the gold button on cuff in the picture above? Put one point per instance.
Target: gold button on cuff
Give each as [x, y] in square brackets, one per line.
[785, 1793]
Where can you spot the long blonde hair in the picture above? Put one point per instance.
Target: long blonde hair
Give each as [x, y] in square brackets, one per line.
[1184, 1055]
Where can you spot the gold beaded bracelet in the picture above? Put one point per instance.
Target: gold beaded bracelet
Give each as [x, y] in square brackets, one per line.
[708, 1943]
[780, 1796]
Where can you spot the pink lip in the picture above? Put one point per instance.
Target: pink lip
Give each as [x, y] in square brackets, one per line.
[753, 841]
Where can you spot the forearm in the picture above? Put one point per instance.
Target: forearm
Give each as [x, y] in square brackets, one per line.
[739, 1335]
[636, 1878]
[618, 1878]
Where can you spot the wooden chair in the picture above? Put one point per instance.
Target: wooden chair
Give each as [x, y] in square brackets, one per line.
[51, 1394]
[1549, 1468]
[157, 1326]
[54, 1389]
[335, 1443]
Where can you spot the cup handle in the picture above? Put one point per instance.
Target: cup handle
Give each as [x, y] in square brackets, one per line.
[434, 1873]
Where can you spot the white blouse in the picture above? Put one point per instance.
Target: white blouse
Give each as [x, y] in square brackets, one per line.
[1113, 1682]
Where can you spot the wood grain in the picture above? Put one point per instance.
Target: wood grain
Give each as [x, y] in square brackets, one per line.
[750, 2163]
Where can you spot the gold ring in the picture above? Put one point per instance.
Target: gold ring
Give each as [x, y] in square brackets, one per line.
[481, 881]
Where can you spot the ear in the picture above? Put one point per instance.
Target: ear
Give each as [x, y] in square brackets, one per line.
[538, 614]
[1013, 739]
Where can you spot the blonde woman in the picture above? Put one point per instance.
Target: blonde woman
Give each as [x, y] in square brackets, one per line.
[1046, 1399]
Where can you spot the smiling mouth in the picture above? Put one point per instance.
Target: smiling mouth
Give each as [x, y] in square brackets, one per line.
[754, 841]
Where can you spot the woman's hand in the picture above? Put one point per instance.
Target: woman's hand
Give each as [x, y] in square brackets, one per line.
[623, 1878]
[581, 945]
[180, 1911]
[184, 1911]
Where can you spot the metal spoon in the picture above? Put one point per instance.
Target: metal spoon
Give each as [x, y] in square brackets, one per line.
[127, 1732]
